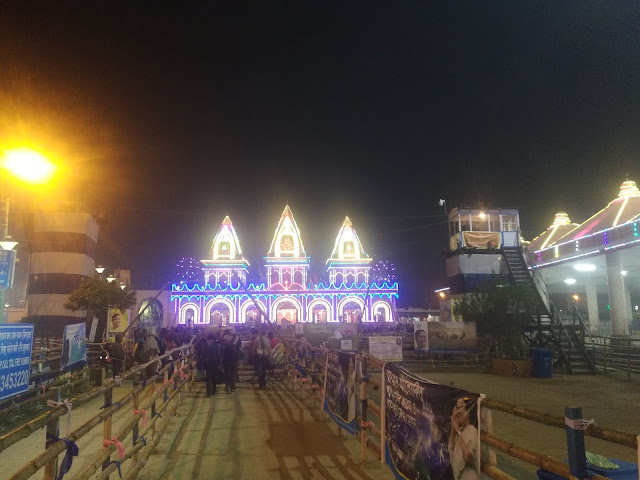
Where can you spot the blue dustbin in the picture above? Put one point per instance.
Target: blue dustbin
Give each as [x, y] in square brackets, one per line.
[542, 362]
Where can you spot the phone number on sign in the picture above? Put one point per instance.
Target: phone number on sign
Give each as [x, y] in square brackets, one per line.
[14, 380]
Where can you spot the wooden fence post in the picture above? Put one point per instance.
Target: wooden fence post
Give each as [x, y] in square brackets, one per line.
[364, 437]
[575, 442]
[53, 432]
[134, 434]
[628, 359]
[106, 429]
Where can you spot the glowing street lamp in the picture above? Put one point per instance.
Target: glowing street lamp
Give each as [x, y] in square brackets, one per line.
[28, 165]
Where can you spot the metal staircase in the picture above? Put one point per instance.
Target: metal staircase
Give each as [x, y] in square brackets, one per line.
[566, 337]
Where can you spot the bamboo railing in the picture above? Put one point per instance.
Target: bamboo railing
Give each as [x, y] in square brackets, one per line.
[55, 445]
[371, 434]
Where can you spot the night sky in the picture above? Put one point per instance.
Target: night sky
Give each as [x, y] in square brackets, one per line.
[164, 119]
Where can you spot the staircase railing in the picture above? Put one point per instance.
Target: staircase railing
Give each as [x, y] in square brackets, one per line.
[541, 288]
[584, 334]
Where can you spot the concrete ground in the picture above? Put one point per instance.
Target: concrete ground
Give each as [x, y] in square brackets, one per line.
[256, 434]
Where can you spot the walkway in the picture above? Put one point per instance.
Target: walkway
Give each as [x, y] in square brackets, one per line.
[256, 434]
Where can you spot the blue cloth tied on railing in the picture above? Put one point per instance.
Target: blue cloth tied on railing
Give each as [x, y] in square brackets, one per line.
[72, 450]
[118, 465]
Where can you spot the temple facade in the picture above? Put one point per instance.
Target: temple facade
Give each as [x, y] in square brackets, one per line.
[287, 294]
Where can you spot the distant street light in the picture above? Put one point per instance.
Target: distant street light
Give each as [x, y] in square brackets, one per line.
[100, 270]
[576, 297]
[111, 279]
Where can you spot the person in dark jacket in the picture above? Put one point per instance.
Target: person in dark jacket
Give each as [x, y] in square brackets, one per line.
[117, 355]
[211, 363]
[232, 348]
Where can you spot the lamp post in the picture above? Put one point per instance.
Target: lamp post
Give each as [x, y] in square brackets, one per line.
[30, 167]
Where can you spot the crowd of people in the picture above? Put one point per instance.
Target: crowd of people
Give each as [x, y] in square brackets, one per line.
[218, 353]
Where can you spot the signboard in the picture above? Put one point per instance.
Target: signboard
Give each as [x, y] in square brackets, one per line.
[338, 336]
[74, 346]
[426, 427]
[116, 323]
[421, 337]
[386, 349]
[7, 268]
[16, 343]
[452, 337]
[340, 390]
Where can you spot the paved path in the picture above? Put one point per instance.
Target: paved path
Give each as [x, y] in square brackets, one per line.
[256, 434]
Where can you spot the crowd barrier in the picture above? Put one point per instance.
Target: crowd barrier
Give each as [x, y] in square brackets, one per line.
[176, 376]
[308, 373]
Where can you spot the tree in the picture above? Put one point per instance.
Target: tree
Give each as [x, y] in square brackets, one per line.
[502, 311]
[95, 296]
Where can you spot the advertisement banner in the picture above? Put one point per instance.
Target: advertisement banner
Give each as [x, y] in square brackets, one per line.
[340, 390]
[74, 346]
[430, 431]
[421, 337]
[452, 337]
[116, 323]
[338, 336]
[7, 268]
[16, 344]
[386, 349]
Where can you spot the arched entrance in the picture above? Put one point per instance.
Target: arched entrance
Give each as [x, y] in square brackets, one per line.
[286, 309]
[250, 313]
[382, 312]
[219, 313]
[189, 314]
[319, 311]
[351, 310]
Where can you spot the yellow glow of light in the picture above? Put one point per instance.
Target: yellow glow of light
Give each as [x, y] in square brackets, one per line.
[576, 297]
[482, 215]
[28, 165]
[442, 294]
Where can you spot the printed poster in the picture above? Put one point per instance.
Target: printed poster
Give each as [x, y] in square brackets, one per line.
[337, 336]
[428, 428]
[16, 344]
[421, 337]
[452, 337]
[340, 390]
[116, 323]
[74, 346]
[386, 349]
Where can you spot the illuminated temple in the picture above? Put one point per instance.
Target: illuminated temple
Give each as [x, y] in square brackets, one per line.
[287, 295]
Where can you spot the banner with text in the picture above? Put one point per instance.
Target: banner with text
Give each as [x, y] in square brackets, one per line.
[340, 389]
[338, 336]
[452, 337]
[74, 346]
[386, 349]
[16, 344]
[430, 431]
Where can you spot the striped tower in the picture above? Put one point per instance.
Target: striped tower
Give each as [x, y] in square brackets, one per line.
[63, 253]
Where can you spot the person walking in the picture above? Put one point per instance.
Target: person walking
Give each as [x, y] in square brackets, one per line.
[211, 363]
[263, 357]
[117, 355]
[230, 358]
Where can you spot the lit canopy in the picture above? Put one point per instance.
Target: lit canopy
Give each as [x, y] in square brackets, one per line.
[621, 210]
[559, 228]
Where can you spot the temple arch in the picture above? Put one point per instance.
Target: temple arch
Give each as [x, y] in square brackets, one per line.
[318, 317]
[190, 311]
[350, 308]
[290, 310]
[221, 319]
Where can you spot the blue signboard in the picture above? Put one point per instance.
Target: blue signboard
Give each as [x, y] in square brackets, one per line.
[7, 267]
[16, 343]
[74, 348]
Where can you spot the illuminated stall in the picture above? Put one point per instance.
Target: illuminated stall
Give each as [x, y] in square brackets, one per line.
[286, 295]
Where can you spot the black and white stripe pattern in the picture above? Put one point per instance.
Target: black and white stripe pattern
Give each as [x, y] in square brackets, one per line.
[63, 253]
